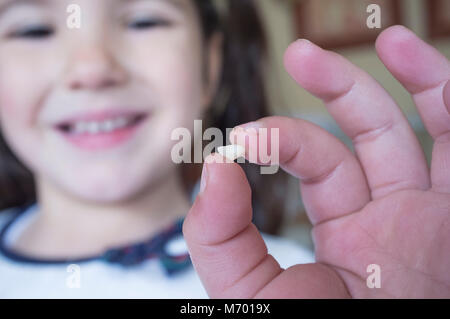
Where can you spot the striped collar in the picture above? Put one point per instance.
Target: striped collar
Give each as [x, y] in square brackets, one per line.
[157, 247]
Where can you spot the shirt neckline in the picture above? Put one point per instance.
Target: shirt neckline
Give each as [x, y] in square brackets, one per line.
[116, 253]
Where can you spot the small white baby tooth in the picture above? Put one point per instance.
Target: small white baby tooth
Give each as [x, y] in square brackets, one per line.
[80, 127]
[93, 128]
[231, 152]
[107, 126]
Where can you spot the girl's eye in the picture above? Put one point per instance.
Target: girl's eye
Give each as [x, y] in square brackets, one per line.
[140, 24]
[33, 32]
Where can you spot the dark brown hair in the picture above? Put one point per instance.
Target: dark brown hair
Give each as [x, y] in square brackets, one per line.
[241, 98]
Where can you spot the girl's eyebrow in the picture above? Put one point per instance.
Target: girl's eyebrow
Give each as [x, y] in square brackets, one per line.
[7, 4]
[175, 3]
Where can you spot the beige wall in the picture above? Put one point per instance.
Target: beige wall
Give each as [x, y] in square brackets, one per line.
[288, 98]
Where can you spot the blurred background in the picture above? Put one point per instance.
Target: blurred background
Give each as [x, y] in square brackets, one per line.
[340, 25]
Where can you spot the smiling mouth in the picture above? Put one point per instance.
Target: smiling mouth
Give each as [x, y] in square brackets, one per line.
[101, 131]
[106, 126]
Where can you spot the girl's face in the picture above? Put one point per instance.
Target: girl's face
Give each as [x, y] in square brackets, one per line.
[92, 109]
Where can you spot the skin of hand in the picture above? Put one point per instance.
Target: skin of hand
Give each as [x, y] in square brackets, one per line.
[380, 205]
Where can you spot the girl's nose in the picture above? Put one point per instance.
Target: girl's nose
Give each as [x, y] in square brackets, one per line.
[93, 68]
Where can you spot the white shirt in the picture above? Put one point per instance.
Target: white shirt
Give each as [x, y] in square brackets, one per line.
[100, 279]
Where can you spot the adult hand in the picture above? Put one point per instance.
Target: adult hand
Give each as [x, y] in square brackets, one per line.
[382, 205]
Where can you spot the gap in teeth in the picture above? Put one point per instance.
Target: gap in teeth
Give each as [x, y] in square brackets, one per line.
[106, 126]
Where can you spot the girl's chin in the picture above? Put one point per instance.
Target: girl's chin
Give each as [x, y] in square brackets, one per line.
[107, 183]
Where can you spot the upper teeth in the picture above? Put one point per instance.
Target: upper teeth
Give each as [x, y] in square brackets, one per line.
[93, 127]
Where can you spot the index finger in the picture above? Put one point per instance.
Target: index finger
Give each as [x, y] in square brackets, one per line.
[332, 181]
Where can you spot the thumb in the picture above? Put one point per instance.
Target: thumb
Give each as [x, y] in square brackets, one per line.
[226, 249]
[229, 253]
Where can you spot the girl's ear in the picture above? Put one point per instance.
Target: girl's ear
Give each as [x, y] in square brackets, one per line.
[213, 69]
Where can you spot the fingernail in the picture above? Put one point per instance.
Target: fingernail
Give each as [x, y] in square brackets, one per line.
[304, 41]
[251, 125]
[237, 135]
[204, 179]
[447, 96]
[302, 44]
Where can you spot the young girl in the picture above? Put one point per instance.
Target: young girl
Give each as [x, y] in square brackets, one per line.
[97, 212]
[90, 112]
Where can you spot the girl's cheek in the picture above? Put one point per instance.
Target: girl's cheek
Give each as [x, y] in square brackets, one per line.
[21, 93]
[22, 90]
[11, 110]
[173, 67]
[11, 84]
